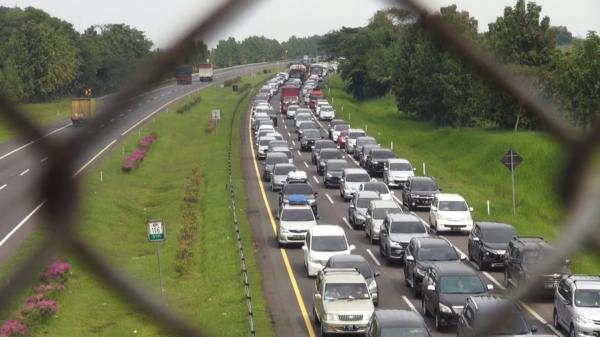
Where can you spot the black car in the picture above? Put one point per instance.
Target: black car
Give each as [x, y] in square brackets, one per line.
[376, 159]
[524, 257]
[308, 125]
[480, 318]
[488, 242]
[332, 174]
[334, 123]
[308, 138]
[445, 288]
[321, 144]
[388, 322]
[420, 254]
[365, 150]
[364, 268]
[325, 155]
[303, 189]
[360, 141]
[419, 192]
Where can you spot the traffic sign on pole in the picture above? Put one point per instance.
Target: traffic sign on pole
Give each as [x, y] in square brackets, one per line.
[511, 160]
[156, 230]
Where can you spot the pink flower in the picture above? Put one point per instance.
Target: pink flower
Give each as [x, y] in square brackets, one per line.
[13, 328]
[46, 307]
[56, 269]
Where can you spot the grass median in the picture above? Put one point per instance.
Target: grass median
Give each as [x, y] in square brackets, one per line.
[467, 161]
[113, 220]
[42, 114]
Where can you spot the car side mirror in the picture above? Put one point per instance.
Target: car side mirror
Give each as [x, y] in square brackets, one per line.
[376, 274]
[471, 209]
[351, 206]
[352, 247]
[490, 287]
[431, 287]
[440, 189]
[534, 328]
[414, 169]
[318, 297]
[385, 169]
[392, 192]
[567, 261]
[368, 216]
[304, 248]
[463, 257]
[410, 258]
[476, 239]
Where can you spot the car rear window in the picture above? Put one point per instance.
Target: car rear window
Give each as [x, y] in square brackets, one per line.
[380, 213]
[357, 177]
[303, 214]
[298, 189]
[282, 170]
[406, 227]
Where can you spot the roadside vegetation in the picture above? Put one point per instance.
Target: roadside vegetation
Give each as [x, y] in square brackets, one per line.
[467, 161]
[182, 181]
[42, 114]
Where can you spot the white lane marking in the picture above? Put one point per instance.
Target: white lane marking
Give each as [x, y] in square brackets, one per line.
[34, 141]
[316, 179]
[410, 305]
[293, 143]
[397, 200]
[112, 120]
[329, 198]
[14, 230]
[347, 223]
[299, 153]
[491, 278]
[285, 125]
[94, 158]
[43, 159]
[24, 172]
[3, 187]
[373, 257]
[121, 115]
[305, 164]
[289, 134]
[541, 319]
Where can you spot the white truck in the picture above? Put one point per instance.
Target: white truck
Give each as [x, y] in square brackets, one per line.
[205, 71]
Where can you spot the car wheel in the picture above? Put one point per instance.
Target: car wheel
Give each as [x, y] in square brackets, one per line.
[572, 332]
[415, 288]
[507, 283]
[381, 251]
[555, 319]
[372, 240]
[480, 264]
[323, 333]
[424, 308]
[315, 318]
[438, 322]
[406, 283]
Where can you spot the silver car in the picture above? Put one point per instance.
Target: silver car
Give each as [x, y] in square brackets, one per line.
[351, 180]
[357, 210]
[279, 175]
[396, 232]
[377, 211]
[294, 223]
[353, 134]
[396, 172]
[577, 305]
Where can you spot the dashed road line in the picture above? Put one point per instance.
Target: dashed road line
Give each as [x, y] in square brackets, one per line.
[293, 143]
[3, 187]
[410, 305]
[34, 141]
[373, 257]
[43, 159]
[305, 164]
[24, 172]
[289, 134]
[329, 198]
[347, 223]
[299, 153]
[316, 179]
[14, 230]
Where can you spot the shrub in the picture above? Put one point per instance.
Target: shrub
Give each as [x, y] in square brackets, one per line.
[133, 161]
[231, 81]
[56, 270]
[13, 328]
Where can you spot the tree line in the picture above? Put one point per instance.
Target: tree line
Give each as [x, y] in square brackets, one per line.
[394, 54]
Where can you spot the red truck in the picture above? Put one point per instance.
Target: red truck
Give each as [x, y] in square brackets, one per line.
[314, 94]
[183, 74]
[289, 95]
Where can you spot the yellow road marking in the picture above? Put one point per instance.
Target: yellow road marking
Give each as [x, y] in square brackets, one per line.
[286, 261]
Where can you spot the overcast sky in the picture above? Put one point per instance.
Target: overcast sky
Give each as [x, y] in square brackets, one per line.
[163, 21]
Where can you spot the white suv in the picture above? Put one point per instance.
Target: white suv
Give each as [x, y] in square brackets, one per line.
[577, 305]
[396, 172]
[450, 212]
[294, 222]
[322, 242]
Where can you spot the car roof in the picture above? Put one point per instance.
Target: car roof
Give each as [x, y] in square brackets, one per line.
[349, 258]
[336, 161]
[354, 170]
[453, 268]
[398, 318]
[432, 241]
[278, 165]
[368, 183]
[323, 230]
[343, 275]
[329, 150]
[368, 194]
[281, 149]
[384, 204]
[404, 217]
[420, 178]
[356, 130]
[276, 154]
[398, 160]
[324, 141]
[290, 206]
[365, 138]
[488, 225]
[532, 243]
[449, 197]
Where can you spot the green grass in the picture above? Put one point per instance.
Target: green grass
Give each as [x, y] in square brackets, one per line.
[113, 221]
[467, 161]
[40, 113]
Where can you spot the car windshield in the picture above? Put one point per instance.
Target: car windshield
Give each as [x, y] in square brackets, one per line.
[588, 298]
[381, 188]
[293, 108]
[498, 235]
[355, 134]
[400, 167]
[405, 227]
[325, 145]
[276, 160]
[382, 154]
[336, 166]
[330, 154]
[424, 185]
[363, 267]
[283, 170]
[341, 127]
[346, 291]
[308, 125]
[364, 202]
[453, 206]
[312, 134]
[357, 178]
[380, 213]
[442, 253]
[304, 214]
[302, 118]
[404, 332]
[298, 189]
[461, 285]
[326, 108]
[329, 243]
[274, 144]
[264, 142]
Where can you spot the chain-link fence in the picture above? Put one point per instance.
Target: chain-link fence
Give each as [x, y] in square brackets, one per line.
[579, 185]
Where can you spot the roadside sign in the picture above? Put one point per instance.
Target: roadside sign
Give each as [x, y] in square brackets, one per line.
[156, 230]
[216, 114]
[511, 159]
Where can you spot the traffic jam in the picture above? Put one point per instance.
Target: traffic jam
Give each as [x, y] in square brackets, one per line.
[379, 250]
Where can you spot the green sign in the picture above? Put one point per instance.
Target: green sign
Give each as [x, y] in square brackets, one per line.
[156, 230]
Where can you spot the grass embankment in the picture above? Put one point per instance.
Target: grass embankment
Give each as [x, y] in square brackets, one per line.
[113, 221]
[40, 113]
[467, 161]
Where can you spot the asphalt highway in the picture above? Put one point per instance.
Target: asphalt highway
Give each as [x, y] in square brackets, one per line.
[289, 290]
[21, 167]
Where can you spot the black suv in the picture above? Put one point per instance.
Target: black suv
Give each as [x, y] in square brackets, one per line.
[303, 189]
[308, 138]
[524, 257]
[419, 192]
[480, 318]
[321, 144]
[488, 242]
[376, 158]
[325, 155]
[445, 288]
[332, 173]
[421, 253]
[397, 323]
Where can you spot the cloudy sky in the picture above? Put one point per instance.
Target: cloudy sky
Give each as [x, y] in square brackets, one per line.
[163, 21]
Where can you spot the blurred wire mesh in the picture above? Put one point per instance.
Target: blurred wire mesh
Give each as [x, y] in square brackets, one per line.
[579, 185]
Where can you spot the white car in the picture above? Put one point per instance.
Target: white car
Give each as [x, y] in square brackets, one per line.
[326, 113]
[351, 138]
[450, 212]
[319, 106]
[294, 222]
[351, 180]
[323, 242]
[396, 172]
[291, 110]
[337, 129]
[262, 145]
[379, 187]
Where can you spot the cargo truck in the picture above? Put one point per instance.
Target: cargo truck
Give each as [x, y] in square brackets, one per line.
[183, 74]
[298, 71]
[205, 71]
[82, 110]
[314, 94]
[289, 95]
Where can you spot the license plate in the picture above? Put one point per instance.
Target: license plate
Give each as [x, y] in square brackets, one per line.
[349, 327]
[297, 237]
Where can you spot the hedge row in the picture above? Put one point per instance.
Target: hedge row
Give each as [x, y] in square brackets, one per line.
[188, 230]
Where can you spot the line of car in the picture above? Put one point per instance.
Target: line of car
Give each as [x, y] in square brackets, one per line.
[346, 291]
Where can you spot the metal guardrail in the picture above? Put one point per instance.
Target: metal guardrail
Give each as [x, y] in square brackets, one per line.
[579, 184]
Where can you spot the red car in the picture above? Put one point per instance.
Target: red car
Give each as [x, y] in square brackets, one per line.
[342, 139]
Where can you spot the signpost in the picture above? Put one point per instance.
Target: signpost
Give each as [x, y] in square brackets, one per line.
[511, 160]
[216, 116]
[156, 234]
